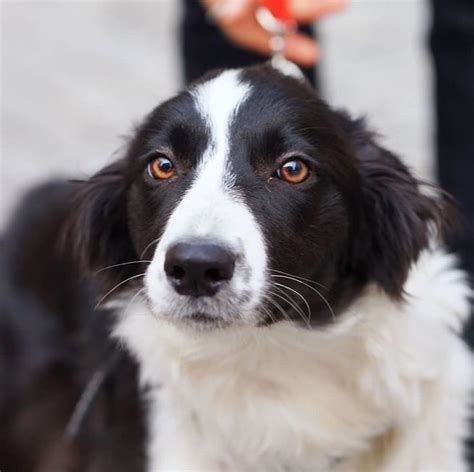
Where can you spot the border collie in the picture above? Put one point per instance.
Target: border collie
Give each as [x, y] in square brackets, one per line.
[277, 276]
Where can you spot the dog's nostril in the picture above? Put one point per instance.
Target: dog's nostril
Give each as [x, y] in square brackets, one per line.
[177, 272]
[215, 275]
[198, 269]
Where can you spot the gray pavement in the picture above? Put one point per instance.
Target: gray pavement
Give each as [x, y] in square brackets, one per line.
[76, 76]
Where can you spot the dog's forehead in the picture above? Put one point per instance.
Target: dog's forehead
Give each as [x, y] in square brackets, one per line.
[249, 109]
[245, 93]
[218, 101]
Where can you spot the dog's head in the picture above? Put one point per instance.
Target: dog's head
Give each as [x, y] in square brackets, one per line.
[249, 201]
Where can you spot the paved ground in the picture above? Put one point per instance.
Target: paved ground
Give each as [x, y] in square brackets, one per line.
[76, 76]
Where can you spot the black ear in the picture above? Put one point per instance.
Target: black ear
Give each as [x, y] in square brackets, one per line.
[97, 228]
[399, 217]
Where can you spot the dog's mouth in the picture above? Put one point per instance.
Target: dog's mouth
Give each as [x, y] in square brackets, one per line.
[203, 318]
[203, 321]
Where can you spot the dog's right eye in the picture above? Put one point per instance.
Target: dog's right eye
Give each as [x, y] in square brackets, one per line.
[293, 171]
[161, 168]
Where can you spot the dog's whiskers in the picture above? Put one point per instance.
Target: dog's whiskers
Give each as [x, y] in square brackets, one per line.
[297, 277]
[277, 285]
[333, 315]
[278, 307]
[148, 246]
[121, 264]
[293, 305]
[268, 313]
[116, 287]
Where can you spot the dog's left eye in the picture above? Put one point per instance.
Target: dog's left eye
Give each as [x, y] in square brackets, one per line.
[294, 171]
[161, 168]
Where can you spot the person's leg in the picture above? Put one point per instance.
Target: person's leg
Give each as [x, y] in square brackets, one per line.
[452, 44]
[204, 47]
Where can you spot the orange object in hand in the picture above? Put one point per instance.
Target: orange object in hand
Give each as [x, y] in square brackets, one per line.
[279, 9]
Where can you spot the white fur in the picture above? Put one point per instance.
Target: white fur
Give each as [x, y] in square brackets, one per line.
[212, 210]
[385, 389]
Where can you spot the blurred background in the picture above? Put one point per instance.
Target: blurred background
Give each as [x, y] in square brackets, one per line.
[77, 76]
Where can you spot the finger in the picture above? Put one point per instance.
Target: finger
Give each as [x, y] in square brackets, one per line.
[250, 35]
[298, 47]
[301, 49]
[306, 11]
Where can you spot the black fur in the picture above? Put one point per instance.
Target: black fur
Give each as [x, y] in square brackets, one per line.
[361, 218]
[51, 343]
[399, 217]
[100, 224]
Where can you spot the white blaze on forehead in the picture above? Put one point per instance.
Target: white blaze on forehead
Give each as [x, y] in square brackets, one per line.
[209, 203]
[212, 209]
[218, 101]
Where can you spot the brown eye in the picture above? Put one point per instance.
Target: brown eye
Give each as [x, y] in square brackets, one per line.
[294, 171]
[161, 168]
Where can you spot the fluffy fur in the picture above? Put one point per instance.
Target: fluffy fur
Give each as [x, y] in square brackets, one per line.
[387, 388]
[335, 345]
[52, 342]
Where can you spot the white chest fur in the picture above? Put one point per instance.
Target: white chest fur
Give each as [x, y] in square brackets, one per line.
[365, 394]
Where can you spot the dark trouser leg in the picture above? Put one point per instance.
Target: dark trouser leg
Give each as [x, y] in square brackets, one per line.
[204, 47]
[452, 43]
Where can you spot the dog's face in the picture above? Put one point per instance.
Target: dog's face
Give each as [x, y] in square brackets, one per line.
[251, 202]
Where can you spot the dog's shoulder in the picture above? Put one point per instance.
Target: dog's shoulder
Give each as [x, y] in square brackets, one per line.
[53, 346]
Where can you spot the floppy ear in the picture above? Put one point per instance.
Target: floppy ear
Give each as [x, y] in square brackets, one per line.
[97, 227]
[399, 218]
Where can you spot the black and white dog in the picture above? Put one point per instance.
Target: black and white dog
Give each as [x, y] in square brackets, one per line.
[280, 286]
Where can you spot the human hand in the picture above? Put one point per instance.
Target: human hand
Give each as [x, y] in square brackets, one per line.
[237, 20]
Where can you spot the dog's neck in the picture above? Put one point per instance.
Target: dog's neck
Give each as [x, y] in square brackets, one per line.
[340, 388]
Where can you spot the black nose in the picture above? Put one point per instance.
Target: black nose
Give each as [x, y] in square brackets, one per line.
[198, 269]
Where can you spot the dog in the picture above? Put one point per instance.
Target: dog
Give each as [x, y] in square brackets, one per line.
[275, 288]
